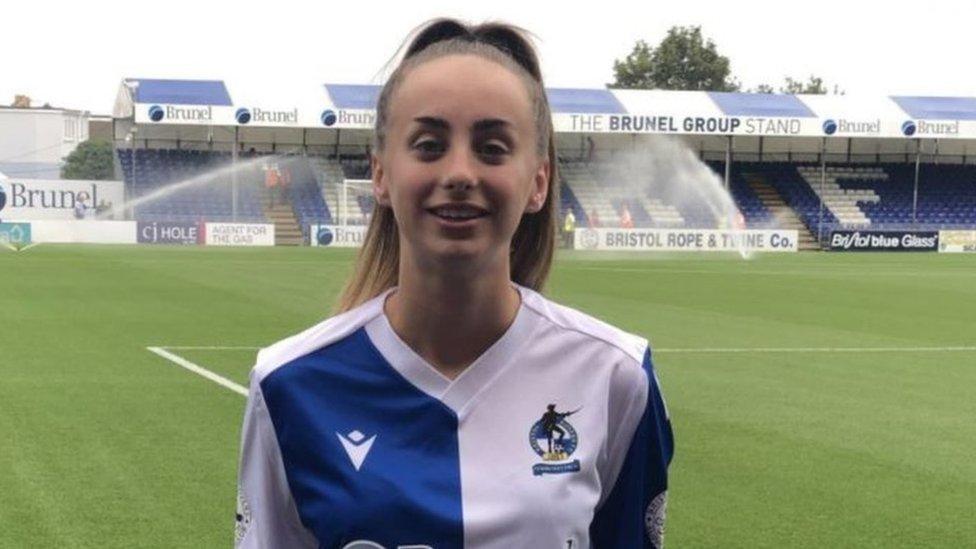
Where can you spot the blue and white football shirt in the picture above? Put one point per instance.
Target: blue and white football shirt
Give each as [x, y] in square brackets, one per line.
[556, 437]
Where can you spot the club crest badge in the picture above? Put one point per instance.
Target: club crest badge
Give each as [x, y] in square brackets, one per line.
[554, 439]
[243, 517]
[654, 519]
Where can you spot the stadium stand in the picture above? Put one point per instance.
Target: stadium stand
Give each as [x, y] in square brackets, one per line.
[843, 202]
[152, 170]
[784, 194]
[774, 183]
[329, 176]
[307, 199]
[778, 188]
[607, 194]
[947, 200]
[879, 196]
[305, 204]
[355, 167]
[569, 202]
[755, 211]
[791, 188]
[589, 194]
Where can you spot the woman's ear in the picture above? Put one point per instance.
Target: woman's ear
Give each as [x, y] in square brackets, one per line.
[381, 191]
[540, 187]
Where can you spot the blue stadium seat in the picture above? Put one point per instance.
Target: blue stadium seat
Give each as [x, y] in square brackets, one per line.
[157, 169]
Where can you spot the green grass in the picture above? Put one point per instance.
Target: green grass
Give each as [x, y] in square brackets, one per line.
[103, 444]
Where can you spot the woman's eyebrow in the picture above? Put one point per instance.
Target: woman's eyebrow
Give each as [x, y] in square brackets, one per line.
[439, 123]
[490, 124]
[483, 125]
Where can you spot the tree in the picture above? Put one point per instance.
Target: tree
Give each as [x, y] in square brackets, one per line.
[90, 160]
[813, 86]
[683, 60]
[634, 72]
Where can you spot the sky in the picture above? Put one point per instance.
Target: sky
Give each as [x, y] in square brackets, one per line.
[74, 54]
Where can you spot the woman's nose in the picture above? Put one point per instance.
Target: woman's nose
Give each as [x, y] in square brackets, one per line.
[461, 171]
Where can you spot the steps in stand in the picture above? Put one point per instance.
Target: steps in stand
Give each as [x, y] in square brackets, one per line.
[785, 216]
[287, 231]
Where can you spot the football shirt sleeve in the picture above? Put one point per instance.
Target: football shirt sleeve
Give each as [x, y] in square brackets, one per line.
[266, 512]
[632, 515]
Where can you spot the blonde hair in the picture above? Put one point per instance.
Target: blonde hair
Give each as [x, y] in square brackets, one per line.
[377, 267]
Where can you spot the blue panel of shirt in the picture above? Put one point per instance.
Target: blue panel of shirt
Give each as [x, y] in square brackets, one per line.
[620, 521]
[408, 488]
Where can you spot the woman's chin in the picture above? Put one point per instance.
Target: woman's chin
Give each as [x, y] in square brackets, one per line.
[466, 254]
[459, 251]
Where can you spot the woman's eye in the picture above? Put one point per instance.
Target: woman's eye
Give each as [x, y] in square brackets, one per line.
[493, 149]
[429, 146]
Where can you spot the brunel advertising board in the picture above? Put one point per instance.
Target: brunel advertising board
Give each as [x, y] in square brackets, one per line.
[677, 124]
[308, 116]
[337, 236]
[30, 199]
[827, 126]
[672, 122]
[884, 241]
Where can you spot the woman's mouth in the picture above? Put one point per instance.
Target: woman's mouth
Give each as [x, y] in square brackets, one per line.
[458, 213]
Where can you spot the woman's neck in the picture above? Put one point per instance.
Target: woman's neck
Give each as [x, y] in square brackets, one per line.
[451, 320]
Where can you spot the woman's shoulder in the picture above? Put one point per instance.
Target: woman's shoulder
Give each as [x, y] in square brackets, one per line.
[575, 323]
[320, 335]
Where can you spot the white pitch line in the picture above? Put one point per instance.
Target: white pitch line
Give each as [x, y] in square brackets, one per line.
[14, 248]
[184, 363]
[963, 349]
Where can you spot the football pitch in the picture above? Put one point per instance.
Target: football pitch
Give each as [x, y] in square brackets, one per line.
[818, 400]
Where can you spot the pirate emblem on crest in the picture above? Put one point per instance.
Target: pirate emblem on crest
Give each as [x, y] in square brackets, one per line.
[554, 439]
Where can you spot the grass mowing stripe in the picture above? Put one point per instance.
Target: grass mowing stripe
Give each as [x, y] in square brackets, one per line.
[208, 348]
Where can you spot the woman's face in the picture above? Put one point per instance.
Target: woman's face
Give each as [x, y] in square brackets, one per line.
[460, 164]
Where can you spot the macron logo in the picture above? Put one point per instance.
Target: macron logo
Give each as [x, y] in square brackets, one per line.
[356, 446]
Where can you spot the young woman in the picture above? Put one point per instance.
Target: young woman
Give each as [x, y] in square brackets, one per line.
[449, 404]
